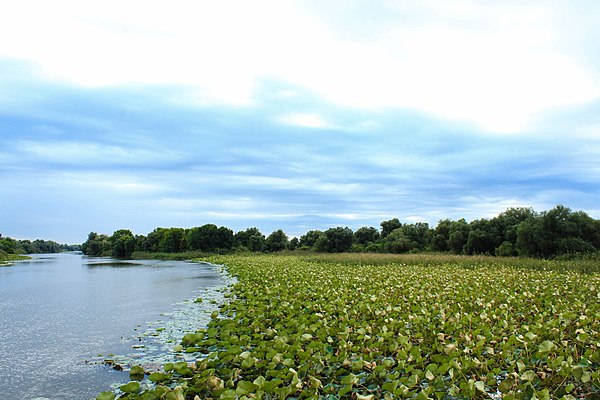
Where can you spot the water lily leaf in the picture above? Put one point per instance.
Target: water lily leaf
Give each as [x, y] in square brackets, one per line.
[159, 377]
[106, 396]
[545, 347]
[479, 385]
[366, 397]
[131, 387]
[136, 373]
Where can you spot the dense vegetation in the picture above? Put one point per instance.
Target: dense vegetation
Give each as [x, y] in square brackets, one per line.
[5, 257]
[372, 326]
[517, 231]
[13, 246]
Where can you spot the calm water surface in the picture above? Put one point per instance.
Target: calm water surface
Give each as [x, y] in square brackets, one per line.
[59, 311]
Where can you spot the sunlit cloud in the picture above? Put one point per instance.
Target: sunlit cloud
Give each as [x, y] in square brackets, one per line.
[493, 65]
[309, 120]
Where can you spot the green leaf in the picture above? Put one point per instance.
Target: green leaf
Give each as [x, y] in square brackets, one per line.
[479, 385]
[365, 397]
[545, 347]
[136, 373]
[528, 376]
[106, 396]
[131, 387]
[159, 377]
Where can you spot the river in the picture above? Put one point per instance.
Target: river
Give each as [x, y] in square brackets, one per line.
[62, 314]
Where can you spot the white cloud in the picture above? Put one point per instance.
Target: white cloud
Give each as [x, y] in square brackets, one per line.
[496, 65]
[83, 153]
[308, 120]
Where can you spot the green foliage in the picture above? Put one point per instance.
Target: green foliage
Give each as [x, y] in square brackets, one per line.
[368, 326]
[277, 241]
[366, 235]
[96, 245]
[5, 257]
[558, 231]
[335, 240]
[517, 231]
[38, 246]
[309, 240]
[122, 243]
[250, 239]
[389, 226]
[8, 245]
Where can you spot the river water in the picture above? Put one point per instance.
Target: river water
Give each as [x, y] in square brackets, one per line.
[62, 313]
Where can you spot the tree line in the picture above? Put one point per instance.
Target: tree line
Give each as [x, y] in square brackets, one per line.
[515, 232]
[39, 246]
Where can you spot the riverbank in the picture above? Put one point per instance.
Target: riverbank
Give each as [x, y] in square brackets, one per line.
[6, 258]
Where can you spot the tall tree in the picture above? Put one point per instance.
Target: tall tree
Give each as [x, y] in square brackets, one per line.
[277, 241]
[251, 239]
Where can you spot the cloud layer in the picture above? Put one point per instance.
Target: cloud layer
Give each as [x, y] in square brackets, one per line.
[296, 116]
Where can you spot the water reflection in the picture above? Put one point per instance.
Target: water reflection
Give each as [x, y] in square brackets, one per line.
[113, 264]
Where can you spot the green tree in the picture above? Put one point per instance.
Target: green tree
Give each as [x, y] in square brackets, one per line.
[8, 245]
[204, 238]
[441, 235]
[558, 231]
[173, 241]
[224, 239]
[366, 235]
[397, 242]
[459, 233]
[294, 243]
[250, 239]
[508, 221]
[309, 240]
[122, 243]
[277, 241]
[388, 226]
[482, 237]
[335, 240]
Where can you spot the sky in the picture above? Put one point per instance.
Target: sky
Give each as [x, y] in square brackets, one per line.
[293, 115]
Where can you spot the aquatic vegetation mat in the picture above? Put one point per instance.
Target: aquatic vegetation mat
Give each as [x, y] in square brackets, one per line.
[342, 328]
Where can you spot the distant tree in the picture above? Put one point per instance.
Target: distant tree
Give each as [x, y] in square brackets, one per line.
[154, 239]
[335, 240]
[251, 239]
[397, 242]
[8, 245]
[96, 245]
[277, 241]
[225, 241]
[558, 231]
[122, 243]
[506, 249]
[459, 233]
[173, 241]
[26, 247]
[309, 240]
[294, 243]
[441, 235]
[388, 226]
[366, 235]
[418, 234]
[482, 237]
[508, 221]
[141, 243]
[204, 238]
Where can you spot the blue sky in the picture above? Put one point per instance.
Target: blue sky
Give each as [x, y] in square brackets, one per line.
[297, 115]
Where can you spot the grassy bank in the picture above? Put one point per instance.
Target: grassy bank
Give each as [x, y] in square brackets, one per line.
[6, 258]
[359, 326]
